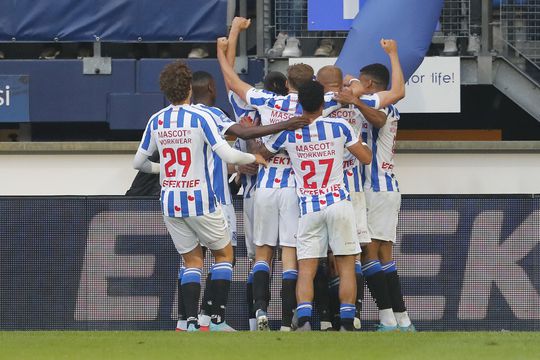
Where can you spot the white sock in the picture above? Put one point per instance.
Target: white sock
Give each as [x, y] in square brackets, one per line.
[403, 319]
[325, 325]
[204, 320]
[387, 317]
[285, 328]
[253, 324]
[181, 324]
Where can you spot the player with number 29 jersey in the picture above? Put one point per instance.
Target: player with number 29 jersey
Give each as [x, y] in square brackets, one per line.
[185, 137]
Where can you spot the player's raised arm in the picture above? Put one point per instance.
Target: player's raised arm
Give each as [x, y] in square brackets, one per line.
[239, 24]
[397, 90]
[374, 116]
[231, 77]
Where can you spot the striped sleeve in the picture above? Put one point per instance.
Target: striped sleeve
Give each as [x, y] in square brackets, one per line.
[239, 106]
[257, 98]
[330, 105]
[210, 130]
[148, 144]
[277, 141]
[372, 100]
[221, 120]
[348, 132]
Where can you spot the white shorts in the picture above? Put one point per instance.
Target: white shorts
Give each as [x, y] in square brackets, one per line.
[333, 226]
[209, 230]
[360, 213]
[382, 214]
[276, 214]
[230, 217]
[248, 226]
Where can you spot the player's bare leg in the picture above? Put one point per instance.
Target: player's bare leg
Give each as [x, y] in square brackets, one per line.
[347, 290]
[307, 268]
[288, 286]
[360, 289]
[322, 293]
[191, 285]
[220, 286]
[333, 291]
[261, 284]
[376, 280]
[394, 286]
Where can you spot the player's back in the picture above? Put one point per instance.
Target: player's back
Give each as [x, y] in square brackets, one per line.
[316, 153]
[379, 175]
[185, 137]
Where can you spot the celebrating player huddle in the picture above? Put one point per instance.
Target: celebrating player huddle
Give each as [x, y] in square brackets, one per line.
[303, 171]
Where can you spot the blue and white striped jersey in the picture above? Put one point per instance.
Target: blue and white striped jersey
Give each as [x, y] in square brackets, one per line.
[242, 109]
[316, 153]
[249, 182]
[351, 165]
[379, 175]
[220, 180]
[273, 109]
[185, 137]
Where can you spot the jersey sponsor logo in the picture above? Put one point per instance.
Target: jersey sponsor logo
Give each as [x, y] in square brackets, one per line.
[347, 114]
[278, 116]
[182, 184]
[348, 164]
[387, 166]
[322, 191]
[176, 136]
[280, 160]
[316, 150]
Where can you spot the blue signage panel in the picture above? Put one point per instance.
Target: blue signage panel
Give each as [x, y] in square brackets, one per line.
[14, 98]
[335, 15]
[466, 263]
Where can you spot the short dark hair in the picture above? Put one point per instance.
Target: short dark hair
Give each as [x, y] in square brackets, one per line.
[299, 74]
[378, 73]
[276, 82]
[201, 78]
[175, 81]
[311, 96]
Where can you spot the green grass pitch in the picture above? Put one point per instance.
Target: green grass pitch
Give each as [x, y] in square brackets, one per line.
[269, 345]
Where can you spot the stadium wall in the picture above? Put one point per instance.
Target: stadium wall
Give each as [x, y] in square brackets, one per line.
[75, 173]
[466, 263]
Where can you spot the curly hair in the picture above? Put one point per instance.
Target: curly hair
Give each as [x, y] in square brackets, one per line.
[175, 81]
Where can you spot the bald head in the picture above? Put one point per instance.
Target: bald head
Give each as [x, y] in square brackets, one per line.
[330, 77]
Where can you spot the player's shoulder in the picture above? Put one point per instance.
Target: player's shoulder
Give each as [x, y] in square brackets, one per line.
[211, 112]
[332, 120]
[154, 118]
[158, 114]
[392, 112]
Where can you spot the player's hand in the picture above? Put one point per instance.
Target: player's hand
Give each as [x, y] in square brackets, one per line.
[249, 169]
[240, 23]
[347, 79]
[389, 46]
[260, 160]
[222, 44]
[296, 122]
[246, 121]
[345, 97]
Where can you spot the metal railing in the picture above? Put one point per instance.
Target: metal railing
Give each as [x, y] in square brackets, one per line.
[291, 16]
[520, 29]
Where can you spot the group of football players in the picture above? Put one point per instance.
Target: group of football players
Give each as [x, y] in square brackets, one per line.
[314, 158]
